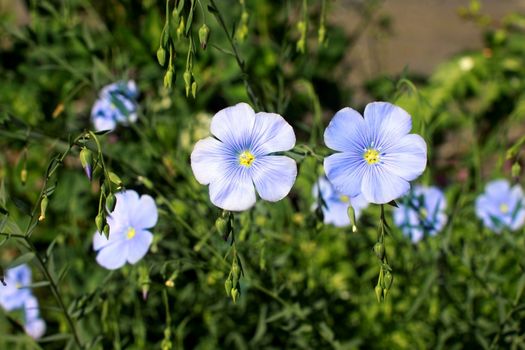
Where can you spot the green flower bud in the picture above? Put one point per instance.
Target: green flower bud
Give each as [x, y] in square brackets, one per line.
[43, 208]
[516, 169]
[161, 56]
[86, 159]
[222, 226]
[187, 81]
[194, 89]
[235, 294]
[379, 293]
[106, 230]
[228, 286]
[180, 29]
[23, 175]
[99, 222]
[351, 215]
[204, 35]
[111, 201]
[168, 78]
[115, 179]
[379, 249]
[388, 279]
[235, 273]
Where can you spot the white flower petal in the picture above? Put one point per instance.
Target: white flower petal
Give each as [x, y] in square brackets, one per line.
[139, 245]
[407, 158]
[145, 214]
[233, 125]
[271, 133]
[234, 191]
[208, 160]
[346, 131]
[273, 176]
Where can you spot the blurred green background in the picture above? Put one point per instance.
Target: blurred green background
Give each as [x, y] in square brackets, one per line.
[305, 285]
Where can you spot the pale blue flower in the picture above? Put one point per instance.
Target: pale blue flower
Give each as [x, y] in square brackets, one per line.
[116, 104]
[501, 206]
[421, 212]
[378, 157]
[129, 237]
[241, 156]
[33, 325]
[335, 210]
[15, 293]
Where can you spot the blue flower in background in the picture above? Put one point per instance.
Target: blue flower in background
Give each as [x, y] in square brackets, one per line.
[421, 212]
[336, 209]
[116, 104]
[129, 238]
[34, 325]
[501, 206]
[14, 294]
[378, 157]
[240, 156]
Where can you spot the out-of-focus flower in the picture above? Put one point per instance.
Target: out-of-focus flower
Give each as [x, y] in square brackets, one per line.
[466, 63]
[116, 104]
[34, 325]
[241, 156]
[15, 293]
[421, 212]
[129, 238]
[378, 157]
[501, 206]
[336, 210]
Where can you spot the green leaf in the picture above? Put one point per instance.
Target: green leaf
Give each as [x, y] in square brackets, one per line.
[22, 259]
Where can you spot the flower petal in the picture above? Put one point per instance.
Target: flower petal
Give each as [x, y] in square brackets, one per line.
[35, 328]
[145, 214]
[407, 158]
[380, 186]
[273, 176]
[271, 133]
[336, 213]
[345, 171]
[113, 256]
[139, 245]
[208, 159]
[386, 123]
[346, 131]
[233, 191]
[233, 125]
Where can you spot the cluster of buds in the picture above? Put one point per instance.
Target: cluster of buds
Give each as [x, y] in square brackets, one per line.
[385, 279]
[231, 285]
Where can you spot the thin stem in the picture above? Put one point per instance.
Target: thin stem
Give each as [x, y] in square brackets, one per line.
[240, 62]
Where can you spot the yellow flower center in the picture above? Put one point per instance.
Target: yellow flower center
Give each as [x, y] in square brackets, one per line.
[371, 156]
[131, 233]
[504, 208]
[344, 199]
[18, 285]
[246, 158]
[423, 212]
[112, 106]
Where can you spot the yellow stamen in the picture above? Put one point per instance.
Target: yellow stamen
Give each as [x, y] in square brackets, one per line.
[18, 285]
[423, 212]
[344, 199]
[371, 156]
[504, 208]
[246, 158]
[131, 233]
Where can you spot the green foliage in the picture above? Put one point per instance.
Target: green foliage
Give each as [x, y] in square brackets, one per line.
[288, 281]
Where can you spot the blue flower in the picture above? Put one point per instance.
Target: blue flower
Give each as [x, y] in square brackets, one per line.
[33, 325]
[129, 238]
[15, 293]
[241, 156]
[336, 209]
[116, 104]
[378, 157]
[501, 206]
[421, 212]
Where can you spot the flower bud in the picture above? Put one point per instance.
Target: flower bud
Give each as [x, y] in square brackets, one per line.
[99, 222]
[235, 273]
[43, 208]
[115, 179]
[351, 215]
[23, 175]
[221, 225]
[228, 286]
[168, 78]
[111, 201]
[379, 292]
[106, 230]
[86, 159]
[235, 294]
[161, 56]
[187, 81]
[379, 249]
[515, 170]
[180, 29]
[388, 279]
[204, 35]
[194, 89]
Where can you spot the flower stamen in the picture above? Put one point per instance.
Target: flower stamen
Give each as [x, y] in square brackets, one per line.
[246, 158]
[131, 233]
[504, 208]
[344, 199]
[371, 156]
